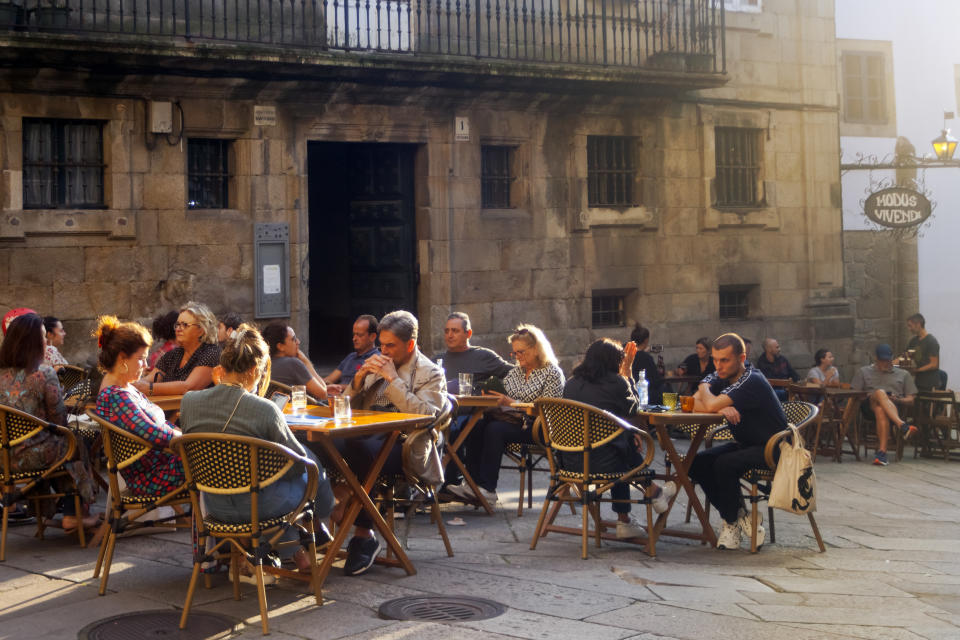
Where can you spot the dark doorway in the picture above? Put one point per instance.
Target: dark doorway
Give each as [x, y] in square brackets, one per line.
[362, 251]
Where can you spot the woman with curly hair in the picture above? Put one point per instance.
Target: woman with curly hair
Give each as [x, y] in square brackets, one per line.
[123, 353]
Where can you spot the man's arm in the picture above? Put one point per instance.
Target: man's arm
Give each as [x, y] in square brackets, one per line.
[428, 399]
[334, 377]
[706, 402]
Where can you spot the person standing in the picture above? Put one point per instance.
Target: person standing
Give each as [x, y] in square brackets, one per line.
[640, 336]
[926, 354]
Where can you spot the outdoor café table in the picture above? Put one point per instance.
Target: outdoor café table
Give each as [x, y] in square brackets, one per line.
[360, 425]
[479, 404]
[837, 417]
[680, 469]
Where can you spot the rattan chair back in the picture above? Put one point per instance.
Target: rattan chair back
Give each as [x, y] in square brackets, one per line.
[573, 426]
[71, 375]
[227, 464]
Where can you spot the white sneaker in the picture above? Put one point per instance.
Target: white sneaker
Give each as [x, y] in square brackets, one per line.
[464, 491]
[744, 523]
[662, 502]
[632, 529]
[729, 537]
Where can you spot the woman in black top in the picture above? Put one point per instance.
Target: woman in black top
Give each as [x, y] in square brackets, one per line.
[697, 364]
[603, 380]
[189, 367]
[640, 336]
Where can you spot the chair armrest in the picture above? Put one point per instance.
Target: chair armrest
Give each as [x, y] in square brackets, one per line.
[772, 444]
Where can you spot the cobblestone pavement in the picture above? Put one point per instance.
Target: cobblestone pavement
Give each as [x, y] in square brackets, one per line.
[891, 571]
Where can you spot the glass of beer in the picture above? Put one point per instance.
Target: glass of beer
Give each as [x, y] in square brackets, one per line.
[686, 404]
[670, 401]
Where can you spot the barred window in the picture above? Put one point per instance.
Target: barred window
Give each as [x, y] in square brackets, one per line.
[735, 302]
[62, 164]
[608, 310]
[208, 173]
[496, 174]
[611, 171]
[864, 87]
[738, 153]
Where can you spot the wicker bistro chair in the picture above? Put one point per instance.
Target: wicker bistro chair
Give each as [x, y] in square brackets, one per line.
[71, 375]
[417, 491]
[17, 427]
[574, 428]
[802, 415]
[526, 459]
[228, 464]
[127, 510]
[937, 416]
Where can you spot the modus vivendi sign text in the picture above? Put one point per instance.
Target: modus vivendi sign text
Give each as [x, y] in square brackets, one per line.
[897, 207]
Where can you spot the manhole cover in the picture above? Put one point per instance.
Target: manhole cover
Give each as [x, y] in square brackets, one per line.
[159, 624]
[440, 608]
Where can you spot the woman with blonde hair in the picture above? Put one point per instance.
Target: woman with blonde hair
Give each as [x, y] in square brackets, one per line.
[190, 365]
[233, 406]
[123, 358]
[536, 375]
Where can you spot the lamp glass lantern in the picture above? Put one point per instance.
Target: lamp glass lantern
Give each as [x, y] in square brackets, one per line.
[944, 145]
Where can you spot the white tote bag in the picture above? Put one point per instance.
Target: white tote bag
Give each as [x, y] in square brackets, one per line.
[794, 485]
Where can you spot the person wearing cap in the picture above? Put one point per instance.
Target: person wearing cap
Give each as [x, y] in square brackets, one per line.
[887, 385]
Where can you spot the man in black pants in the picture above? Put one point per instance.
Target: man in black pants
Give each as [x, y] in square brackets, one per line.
[743, 396]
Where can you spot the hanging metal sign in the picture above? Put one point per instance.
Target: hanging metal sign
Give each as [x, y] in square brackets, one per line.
[897, 207]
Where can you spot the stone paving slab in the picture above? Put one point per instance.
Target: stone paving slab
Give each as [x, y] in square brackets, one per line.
[891, 572]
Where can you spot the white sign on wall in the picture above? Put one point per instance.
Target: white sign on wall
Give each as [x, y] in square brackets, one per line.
[264, 116]
[461, 129]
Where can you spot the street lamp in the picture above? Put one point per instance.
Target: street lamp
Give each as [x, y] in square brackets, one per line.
[944, 145]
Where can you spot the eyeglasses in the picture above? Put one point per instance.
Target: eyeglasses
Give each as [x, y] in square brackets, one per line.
[518, 352]
[184, 325]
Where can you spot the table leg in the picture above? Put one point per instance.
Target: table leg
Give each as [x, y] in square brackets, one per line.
[681, 466]
[451, 453]
[849, 428]
[361, 501]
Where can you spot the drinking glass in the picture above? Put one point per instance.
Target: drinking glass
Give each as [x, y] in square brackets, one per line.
[466, 384]
[687, 403]
[341, 408]
[298, 398]
[670, 401]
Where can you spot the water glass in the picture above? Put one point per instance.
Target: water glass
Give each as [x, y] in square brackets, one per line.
[341, 408]
[298, 398]
[466, 384]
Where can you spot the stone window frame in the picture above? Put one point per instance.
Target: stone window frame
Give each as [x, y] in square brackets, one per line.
[619, 298]
[519, 169]
[232, 186]
[641, 215]
[116, 220]
[61, 164]
[746, 157]
[888, 128]
[631, 188]
[763, 216]
[510, 178]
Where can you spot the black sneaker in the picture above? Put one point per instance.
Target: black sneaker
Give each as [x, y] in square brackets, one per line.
[361, 552]
[908, 430]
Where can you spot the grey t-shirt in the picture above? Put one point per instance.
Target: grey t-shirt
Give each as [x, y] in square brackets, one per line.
[479, 361]
[289, 371]
[897, 381]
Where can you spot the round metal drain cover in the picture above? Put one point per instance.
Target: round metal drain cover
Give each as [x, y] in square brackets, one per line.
[440, 608]
[159, 624]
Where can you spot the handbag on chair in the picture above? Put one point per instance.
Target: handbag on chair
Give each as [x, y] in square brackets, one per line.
[794, 483]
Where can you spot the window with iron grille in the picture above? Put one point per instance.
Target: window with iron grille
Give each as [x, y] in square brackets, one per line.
[208, 173]
[607, 310]
[864, 87]
[739, 155]
[734, 302]
[611, 171]
[496, 174]
[62, 164]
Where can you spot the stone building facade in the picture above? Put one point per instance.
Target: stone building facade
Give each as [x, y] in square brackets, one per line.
[390, 172]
